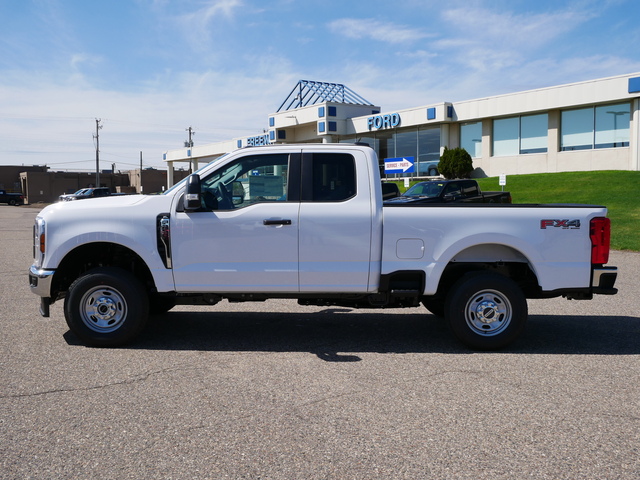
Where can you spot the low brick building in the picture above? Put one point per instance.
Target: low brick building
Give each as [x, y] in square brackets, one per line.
[46, 187]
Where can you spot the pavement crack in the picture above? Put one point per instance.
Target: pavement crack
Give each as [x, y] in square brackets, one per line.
[142, 377]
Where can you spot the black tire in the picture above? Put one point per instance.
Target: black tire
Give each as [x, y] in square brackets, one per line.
[13, 202]
[107, 307]
[435, 305]
[486, 311]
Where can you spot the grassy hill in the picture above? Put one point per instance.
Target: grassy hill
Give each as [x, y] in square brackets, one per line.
[617, 190]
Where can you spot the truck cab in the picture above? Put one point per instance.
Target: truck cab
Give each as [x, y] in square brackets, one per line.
[283, 222]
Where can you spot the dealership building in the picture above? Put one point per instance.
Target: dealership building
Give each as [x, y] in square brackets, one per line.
[591, 125]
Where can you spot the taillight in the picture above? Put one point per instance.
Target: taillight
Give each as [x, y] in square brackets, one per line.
[600, 233]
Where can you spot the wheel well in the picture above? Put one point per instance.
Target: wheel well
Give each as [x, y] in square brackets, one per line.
[99, 254]
[519, 272]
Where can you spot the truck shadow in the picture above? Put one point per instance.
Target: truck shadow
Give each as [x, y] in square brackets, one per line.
[339, 335]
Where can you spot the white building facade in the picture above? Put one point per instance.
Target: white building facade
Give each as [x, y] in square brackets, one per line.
[592, 125]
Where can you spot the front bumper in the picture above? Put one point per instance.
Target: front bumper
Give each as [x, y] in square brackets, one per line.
[40, 281]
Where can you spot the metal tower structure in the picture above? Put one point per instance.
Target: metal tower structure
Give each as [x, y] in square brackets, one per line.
[307, 92]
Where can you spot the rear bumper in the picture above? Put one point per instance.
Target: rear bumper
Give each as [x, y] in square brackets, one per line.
[603, 280]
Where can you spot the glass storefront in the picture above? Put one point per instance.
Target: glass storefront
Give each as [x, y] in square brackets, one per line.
[422, 143]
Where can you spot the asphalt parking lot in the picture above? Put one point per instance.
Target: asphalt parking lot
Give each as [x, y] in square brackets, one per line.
[277, 391]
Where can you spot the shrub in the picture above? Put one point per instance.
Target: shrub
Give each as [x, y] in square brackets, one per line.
[455, 163]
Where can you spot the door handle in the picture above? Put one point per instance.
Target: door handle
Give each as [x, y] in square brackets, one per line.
[276, 222]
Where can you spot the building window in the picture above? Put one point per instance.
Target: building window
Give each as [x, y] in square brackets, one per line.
[520, 135]
[505, 136]
[428, 151]
[406, 142]
[612, 126]
[606, 126]
[471, 138]
[534, 131]
[577, 129]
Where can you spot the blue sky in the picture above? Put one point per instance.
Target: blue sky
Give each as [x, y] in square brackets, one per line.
[151, 68]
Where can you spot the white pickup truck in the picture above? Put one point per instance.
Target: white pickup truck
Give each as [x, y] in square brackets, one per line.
[308, 222]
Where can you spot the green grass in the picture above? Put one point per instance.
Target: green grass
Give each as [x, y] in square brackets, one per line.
[617, 190]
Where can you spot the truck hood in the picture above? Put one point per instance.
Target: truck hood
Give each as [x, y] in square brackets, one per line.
[94, 206]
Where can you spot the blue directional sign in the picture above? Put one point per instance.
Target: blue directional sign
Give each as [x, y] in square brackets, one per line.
[399, 165]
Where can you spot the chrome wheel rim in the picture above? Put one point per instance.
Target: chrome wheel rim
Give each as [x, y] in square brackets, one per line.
[103, 309]
[488, 313]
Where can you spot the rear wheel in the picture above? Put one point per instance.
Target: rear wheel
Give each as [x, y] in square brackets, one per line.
[107, 307]
[486, 311]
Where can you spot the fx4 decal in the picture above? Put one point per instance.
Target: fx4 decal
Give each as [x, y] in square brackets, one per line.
[565, 224]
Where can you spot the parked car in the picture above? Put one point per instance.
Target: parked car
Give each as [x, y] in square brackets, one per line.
[442, 191]
[86, 193]
[11, 198]
[429, 168]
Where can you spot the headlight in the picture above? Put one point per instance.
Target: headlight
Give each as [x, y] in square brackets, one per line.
[39, 241]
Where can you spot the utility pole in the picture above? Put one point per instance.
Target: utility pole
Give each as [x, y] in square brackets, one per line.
[97, 137]
[189, 143]
[140, 172]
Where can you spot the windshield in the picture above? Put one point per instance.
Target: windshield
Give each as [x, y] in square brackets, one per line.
[425, 189]
[183, 181]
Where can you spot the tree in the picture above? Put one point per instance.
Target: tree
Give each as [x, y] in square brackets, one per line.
[455, 163]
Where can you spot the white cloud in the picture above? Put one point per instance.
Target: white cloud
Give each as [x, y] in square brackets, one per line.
[509, 30]
[369, 28]
[197, 24]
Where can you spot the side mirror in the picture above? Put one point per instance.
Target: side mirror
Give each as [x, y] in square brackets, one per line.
[192, 195]
[237, 193]
[450, 197]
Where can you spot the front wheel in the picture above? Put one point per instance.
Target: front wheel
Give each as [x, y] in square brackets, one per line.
[107, 307]
[486, 311]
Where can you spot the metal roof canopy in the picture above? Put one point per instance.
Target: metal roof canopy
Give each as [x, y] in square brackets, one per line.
[307, 92]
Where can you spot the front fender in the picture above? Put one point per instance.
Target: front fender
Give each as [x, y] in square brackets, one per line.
[120, 221]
